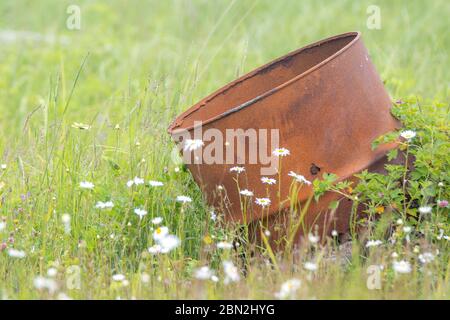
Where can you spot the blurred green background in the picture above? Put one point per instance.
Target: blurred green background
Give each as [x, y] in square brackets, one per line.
[181, 50]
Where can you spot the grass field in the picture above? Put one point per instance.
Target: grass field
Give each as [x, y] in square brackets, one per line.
[93, 105]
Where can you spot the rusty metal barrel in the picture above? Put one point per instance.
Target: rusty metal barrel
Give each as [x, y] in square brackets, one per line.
[327, 103]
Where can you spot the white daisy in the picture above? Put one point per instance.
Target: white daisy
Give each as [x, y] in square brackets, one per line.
[65, 218]
[334, 233]
[160, 233]
[263, 202]
[224, 245]
[407, 229]
[86, 185]
[157, 220]
[441, 234]
[289, 289]
[52, 272]
[155, 249]
[2, 226]
[313, 238]
[154, 183]
[104, 205]
[4, 166]
[299, 178]
[213, 216]
[118, 277]
[246, 193]
[373, 243]
[169, 242]
[203, 273]
[237, 169]
[408, 134]
[231, 272]
[401, 266]
[425, 210]
[140, 212]
[136, 181]
[426, 257]
[281, 152]
[19, 254]
[193, 144]
[184, 199]
[310, 266]
[268, 180]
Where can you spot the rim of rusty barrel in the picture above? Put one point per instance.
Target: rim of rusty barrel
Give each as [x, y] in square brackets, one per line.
[176, 125]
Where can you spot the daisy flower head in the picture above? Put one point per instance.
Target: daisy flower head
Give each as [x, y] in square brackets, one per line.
[168, 243]
[118, 277]
[408, 134]
[281, 152]
[289, 289]
[425, 210]
[140, 212]
[267, 180]
[86, 185]
[313, 238]
[160, 233]
[246, 193]
[154, 183]
[184, 199]
[407, 229]
[426, 257]
[157, 220]
[224, 245]
[373, 243]
[104, 205]
[310, 266]
[155, 249]
[401, 266]
[193, 144]
[136, 181]
[203, 273]
[231, 272]
[263, 202]
[18, 254]
[237, 169]
[299, 178]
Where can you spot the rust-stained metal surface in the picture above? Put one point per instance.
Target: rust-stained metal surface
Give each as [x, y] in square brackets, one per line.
[328, 103]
